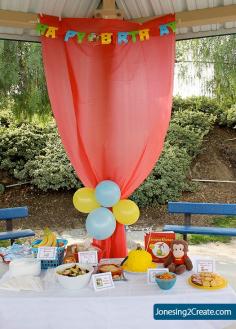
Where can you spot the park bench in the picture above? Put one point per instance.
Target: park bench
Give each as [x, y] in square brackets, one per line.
[192, 208]
[8, 215]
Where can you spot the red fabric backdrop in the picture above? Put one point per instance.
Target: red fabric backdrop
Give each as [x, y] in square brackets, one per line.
[112, 103]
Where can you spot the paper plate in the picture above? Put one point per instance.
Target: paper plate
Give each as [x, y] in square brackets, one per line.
[223, 285]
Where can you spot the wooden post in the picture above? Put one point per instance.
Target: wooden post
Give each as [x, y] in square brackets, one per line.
[187, 222]
[108, 10]
[9, 227]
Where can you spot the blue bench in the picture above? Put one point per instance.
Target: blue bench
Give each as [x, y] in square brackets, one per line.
[7, 215]
[189, 208]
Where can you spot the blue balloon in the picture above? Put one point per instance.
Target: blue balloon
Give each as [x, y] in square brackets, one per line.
[107, 193]
[100, 223]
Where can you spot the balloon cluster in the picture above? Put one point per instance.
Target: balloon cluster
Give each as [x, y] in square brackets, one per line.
[101, 221]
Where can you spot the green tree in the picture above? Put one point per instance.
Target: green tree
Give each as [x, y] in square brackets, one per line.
[219, 53]
[22, 79]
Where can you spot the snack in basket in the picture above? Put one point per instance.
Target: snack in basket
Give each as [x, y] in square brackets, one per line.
[138, 260]
[86, 246]
[208, 280]
[49, 240]
[73, 271]
[69, 256]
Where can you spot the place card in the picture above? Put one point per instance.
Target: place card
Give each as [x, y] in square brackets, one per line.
[47, 253]
[205, 265]
[102, 281]
[152, 272]
[88, 257]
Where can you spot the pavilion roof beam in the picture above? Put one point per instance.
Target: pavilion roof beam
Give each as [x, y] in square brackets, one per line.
[216, 15]
[18, 19]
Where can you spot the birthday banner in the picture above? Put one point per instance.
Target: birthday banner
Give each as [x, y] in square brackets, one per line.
[106, 38]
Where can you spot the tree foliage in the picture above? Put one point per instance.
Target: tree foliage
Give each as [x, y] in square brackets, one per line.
[22, 81]
[23, 86]
[217, 53]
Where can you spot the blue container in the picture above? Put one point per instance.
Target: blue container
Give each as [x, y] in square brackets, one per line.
[166, 284]
[45, 264]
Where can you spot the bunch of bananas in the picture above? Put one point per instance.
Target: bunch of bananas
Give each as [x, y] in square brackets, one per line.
[49, 239]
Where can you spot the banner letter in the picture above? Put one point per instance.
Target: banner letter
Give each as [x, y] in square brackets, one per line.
[164, 29]
[69, 34]
[144, 34]
[80, 36]
[92, 37]
[51, 32]
[122, 37]
[133, 35]
[172, 25]
[41, 28]
[106, 38]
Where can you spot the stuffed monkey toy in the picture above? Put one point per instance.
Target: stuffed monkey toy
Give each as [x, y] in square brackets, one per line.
[178, 261]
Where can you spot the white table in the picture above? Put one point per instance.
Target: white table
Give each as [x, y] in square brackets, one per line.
[128, 306]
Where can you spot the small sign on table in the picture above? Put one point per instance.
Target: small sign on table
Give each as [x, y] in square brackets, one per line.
[205, 265]
[47, 253]
[88, 257]
[102, 281]
[152, 272]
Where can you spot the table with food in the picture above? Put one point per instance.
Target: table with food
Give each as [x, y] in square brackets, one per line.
[69, 291]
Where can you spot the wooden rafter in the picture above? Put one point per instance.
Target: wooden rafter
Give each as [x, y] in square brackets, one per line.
[216, 15]
[17, 19]
[206, 16]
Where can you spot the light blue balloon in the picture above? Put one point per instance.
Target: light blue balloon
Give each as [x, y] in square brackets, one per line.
[100, 223]
[107, 193]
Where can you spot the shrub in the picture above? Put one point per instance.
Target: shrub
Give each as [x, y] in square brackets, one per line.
[19, 145]
[198, 121]
[186, 138]
[168, 178]
[228, 117]
[196, 103]
[6, 118]
[34, 153]
[52, 169]
[224, 113]
[231, 116]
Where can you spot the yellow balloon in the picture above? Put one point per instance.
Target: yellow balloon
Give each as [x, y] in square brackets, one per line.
[126, 212]
[84, 200]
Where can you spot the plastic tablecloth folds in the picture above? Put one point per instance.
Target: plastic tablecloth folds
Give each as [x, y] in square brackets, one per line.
[128, 306]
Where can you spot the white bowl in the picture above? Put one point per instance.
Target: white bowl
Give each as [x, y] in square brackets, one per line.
[25, 266]
[77, 282]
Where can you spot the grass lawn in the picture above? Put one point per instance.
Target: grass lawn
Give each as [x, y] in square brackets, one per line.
[192, 238]
[218, 222]
[4, 243]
